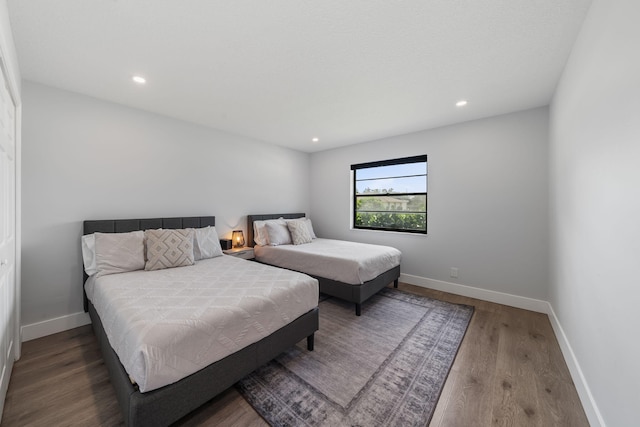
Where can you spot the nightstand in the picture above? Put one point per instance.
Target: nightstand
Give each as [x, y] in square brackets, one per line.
[244, 252]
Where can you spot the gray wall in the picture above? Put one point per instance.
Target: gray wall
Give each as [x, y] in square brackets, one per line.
[595, 206]
[487, 201]
[88, 159]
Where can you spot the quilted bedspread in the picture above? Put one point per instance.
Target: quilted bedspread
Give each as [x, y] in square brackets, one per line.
[167, 324]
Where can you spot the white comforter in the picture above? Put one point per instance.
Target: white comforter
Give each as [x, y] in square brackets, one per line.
[348, 262]
[167, 324]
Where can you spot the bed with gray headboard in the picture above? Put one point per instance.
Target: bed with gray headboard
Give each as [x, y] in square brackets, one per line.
[356, 293]
[169, 403]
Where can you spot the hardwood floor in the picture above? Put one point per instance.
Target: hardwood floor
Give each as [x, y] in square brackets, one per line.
[509, 371]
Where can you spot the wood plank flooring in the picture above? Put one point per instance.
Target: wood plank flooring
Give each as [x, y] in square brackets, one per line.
[509, 371]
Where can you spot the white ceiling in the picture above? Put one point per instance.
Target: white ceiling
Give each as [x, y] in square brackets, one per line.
[284, 71]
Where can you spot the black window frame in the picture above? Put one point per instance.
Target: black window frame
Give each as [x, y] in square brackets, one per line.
[390, 162]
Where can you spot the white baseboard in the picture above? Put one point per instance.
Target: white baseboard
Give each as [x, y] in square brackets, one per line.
[53, 326]
[584, 392]
[525, 303]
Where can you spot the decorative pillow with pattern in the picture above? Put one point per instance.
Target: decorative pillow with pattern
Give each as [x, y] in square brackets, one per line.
[119, 252]
[307, 221]
[299, 231]
[169, 248]
[206, 243]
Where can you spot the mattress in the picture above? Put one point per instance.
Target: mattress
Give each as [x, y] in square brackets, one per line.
[167, 324]
[349, 262]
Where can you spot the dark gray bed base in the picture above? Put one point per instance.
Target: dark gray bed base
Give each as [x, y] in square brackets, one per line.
[170, 403]
[348, 292]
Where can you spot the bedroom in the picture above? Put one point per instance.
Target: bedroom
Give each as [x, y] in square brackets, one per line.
[511, 195]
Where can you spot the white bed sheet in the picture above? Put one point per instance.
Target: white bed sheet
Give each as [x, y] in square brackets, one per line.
[167, 324]
[349, 262]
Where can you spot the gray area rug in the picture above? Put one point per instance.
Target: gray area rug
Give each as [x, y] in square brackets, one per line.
[384, 368]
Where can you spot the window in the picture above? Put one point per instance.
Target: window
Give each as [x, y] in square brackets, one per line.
[391, 195]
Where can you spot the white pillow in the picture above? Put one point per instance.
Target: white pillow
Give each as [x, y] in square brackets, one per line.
[260, 236]
[310, 227]
[119, 252]
[206, 243]
[89, 254]
[299, 232]
[278, 233]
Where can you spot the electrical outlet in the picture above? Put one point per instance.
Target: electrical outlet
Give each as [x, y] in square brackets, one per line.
[454, 272]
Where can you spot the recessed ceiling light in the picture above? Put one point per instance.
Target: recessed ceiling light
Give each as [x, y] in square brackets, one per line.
[139, 79]
[461, 103]
[315, 139]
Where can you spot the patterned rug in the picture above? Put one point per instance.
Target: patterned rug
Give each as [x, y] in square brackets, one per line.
[384, 368]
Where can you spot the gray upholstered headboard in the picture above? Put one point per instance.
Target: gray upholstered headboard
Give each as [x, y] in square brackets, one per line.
[262, 217]
[127, 225]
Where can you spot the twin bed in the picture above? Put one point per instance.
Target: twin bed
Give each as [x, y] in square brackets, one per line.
[351, 271]
[173, 338]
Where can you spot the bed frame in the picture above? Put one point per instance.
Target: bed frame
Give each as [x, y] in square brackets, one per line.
[348, 292]
[168, 404]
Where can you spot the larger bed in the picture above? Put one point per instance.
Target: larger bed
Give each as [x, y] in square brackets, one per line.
[348, 270]
[268, 310]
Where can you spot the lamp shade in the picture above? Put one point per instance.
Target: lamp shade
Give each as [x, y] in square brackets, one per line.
[238, 238]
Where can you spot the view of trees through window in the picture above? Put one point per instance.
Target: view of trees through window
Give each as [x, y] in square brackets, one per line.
[391, 195]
